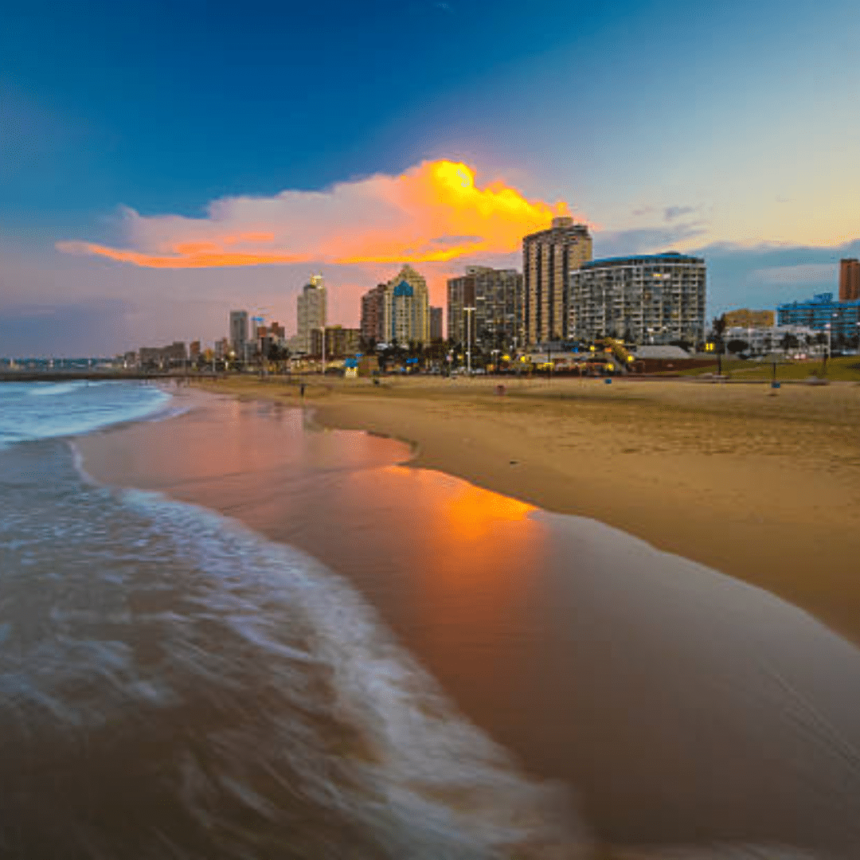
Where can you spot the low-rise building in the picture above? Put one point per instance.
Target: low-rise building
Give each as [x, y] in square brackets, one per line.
[746, 318]
[825, 314]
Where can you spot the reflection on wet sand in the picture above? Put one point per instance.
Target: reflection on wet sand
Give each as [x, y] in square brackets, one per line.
[679, 705]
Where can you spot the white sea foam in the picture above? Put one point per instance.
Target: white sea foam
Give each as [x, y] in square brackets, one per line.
[432, 777]
[35, 411]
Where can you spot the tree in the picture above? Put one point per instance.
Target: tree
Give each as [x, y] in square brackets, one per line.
[789, 342]
[736, 345]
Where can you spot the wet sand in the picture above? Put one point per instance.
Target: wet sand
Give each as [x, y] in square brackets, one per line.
[678, 706]
[764, 488]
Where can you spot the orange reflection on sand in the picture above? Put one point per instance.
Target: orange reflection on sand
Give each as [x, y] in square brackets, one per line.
[468, 512]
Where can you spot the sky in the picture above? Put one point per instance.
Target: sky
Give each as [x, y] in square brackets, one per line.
[164, 162]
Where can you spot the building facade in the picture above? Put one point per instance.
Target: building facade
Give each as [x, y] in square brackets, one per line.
[340, 342]
[435, 323]
[239, 333]
[373, 315]
[745, 318]
[761, 340]
[823, 313]
[548, 259]
[310, 312]
[406, 309]
[653, 298]
[849, 280]
[496, 296]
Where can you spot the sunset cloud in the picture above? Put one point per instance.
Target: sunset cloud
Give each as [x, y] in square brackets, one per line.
[432, 213]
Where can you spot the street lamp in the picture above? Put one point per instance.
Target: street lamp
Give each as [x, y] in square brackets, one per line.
[468, 311]
[322, 364]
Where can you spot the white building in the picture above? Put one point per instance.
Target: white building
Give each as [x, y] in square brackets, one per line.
[646, 298]
[789, 339]
[310, 313]
[406, 308]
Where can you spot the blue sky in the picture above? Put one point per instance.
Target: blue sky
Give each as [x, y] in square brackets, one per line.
[730, 129]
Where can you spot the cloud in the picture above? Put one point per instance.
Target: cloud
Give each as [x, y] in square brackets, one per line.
[72, 329]
[803, 273]
[644, 239]
[670, 213]
[433, 212]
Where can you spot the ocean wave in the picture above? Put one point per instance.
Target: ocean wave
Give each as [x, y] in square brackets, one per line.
[33, 411]
[429, 779]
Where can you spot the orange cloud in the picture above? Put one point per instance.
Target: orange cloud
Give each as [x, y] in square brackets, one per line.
[433, 212]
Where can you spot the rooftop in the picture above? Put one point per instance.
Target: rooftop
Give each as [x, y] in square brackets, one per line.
[666, 257]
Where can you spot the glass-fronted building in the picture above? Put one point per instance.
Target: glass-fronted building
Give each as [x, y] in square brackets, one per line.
[821, 312]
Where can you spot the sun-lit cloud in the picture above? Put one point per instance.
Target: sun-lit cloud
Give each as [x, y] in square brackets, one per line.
[433, 212]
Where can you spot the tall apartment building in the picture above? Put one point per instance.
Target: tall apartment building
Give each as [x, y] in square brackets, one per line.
[548, 259]
[496, 296]
[239, 333]
[849, 280]
[435, 323]
[310, 312]
[373, 315]
[649, 298]
[406, 310]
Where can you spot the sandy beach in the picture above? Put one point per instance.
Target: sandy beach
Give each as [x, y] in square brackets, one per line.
[762, 486]
[668, 707]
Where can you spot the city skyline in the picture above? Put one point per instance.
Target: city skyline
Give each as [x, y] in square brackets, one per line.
[149, 166]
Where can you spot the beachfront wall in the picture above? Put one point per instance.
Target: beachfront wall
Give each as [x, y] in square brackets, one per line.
[649, 298]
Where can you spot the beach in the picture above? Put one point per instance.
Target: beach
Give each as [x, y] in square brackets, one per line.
[607, 697]
[761, 484]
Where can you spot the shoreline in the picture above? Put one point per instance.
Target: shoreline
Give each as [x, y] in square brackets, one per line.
[763, 488]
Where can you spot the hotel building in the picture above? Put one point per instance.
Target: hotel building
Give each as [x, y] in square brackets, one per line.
[548, 259]
[239, 333]
[647, 298]
[496, 296]
[406, 309]
[849, 280]
[310, 312]
[373, 315]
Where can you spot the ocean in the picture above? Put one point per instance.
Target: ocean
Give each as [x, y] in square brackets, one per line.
[225, 633]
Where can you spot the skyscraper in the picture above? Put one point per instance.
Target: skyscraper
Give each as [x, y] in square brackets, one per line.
[406, 315]
[496, 296]
[849, 280]
[239, 333]
[373, 315]
[548, 259]
[310, 312]
[435, 323]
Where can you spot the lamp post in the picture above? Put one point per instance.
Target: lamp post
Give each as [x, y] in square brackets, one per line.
[468, 311]
[322, 341]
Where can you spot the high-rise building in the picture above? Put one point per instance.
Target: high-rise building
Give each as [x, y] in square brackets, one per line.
[406, 316]
[435, 323]
[311, 312]
[548, 259]
[496, 296]
[373, 315]
[849, 280]
[239, 333]
[649, 298]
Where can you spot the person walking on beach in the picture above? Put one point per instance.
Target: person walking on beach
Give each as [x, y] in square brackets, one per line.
[302, 390]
